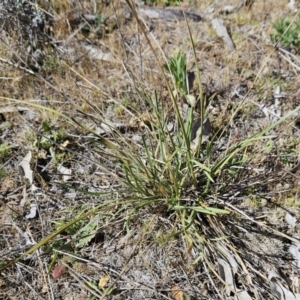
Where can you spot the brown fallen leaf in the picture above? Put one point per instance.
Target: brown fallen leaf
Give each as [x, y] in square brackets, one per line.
[103, 281]
[177, 293]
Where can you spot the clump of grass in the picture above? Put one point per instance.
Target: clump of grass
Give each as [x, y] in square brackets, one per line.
[4, 150]
[165, 2]
[287, 32]
[165, 170]
[2, 173]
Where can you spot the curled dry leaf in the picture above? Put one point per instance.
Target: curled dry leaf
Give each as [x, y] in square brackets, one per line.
[103, 281]
[58, 271]
[24, 167]
[25, 170]
[33, 211]
[177, 293]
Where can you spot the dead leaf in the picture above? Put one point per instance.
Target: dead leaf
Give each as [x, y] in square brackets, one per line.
[177, 293]
[65, 172]
[64, 145]
[226, 274]
[103, 281]
[58, 271]
[227, 270]
[279, 287]
[12, 109]
[221, 31]
[196, 132]
[24, 167]
[191, 100]
[33, 211]
[25, 170]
